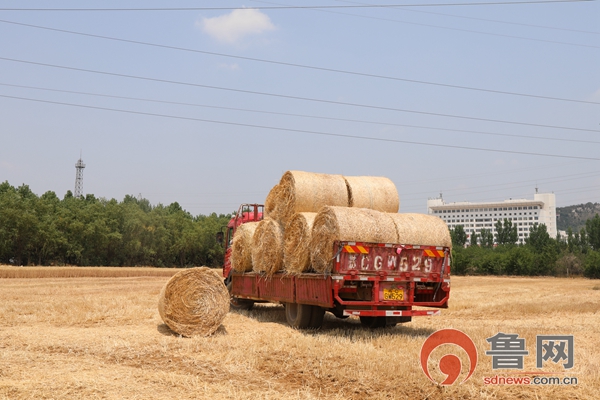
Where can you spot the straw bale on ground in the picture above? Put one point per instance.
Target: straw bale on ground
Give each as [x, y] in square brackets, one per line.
[300, 191]
[194, 302]
[375, 192]
[296, 253]
[241, 248]
[347, 224]
[421, 229]
[267, 247]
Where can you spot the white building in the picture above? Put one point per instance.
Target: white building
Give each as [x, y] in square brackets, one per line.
[476, 216]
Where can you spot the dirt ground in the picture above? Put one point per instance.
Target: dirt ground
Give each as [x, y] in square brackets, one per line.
[91, 337]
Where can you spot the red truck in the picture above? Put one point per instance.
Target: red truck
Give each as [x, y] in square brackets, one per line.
[381, 283]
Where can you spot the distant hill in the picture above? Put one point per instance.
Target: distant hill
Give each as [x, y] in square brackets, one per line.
[574, 217]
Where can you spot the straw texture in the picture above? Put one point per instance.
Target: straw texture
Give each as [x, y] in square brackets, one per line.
[271, 201]
[375, 192]
[241, 248]
[421, 229]
[300, 191]
[267, 247]
[194, 302]
[347, 224]
[296, 254]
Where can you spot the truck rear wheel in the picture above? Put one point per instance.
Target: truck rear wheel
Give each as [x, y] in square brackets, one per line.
[298, 315]
[316, 319]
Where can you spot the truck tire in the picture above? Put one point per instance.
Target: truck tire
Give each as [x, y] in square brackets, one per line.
[316, 319]
[298, 315]
[235, 303]
[373, 322]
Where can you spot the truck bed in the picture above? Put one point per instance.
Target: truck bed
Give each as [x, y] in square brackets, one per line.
[366, 279]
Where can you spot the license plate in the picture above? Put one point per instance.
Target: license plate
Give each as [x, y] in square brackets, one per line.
[393, 294]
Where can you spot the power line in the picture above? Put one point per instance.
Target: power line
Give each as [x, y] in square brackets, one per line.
[450, 28]
[291, 97]
[511, 185]
[507, 22]
[445, 146]
[301, 115]
[495, 3]
[313, 67]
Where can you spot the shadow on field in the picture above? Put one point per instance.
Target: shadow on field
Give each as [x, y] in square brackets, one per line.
[266, 312]
[163, 329]
[350, 328]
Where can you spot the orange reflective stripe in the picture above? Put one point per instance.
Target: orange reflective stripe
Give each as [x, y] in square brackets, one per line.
[349, 249]
[356, 249]
[434, 253]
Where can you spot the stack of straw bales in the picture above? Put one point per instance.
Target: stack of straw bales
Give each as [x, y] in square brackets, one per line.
[362, 225]
[194, 302]
[306, 212]
[299, 195]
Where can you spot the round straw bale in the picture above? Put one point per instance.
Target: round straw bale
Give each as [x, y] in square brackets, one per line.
[194, 302]
[374, 192]
[300, 191]
[267, 247]
[421, 229]
[347, 224]
[296, 254]
[271, 200]
[241, 248]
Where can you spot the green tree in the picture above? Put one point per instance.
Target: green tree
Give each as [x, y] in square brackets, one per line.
[592, 265]
[458, 236]
[582, 241]
[18, 223]
[592, 227]
[520, 261]
[473, 239]
[538, 237]
[506, 233]
[570, 240]
[486, 238]
[49, 239]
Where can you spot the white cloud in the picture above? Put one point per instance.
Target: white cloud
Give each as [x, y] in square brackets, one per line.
[233, 27]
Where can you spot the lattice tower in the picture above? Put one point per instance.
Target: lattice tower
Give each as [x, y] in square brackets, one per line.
[79, 178]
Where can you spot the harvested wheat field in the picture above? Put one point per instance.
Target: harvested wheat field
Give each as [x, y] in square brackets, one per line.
[66, 338]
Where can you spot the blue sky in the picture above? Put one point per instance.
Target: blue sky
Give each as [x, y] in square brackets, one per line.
[430, 102]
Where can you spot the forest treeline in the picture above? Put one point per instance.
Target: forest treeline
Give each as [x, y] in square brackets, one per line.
[489, 254]
[86, 231]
